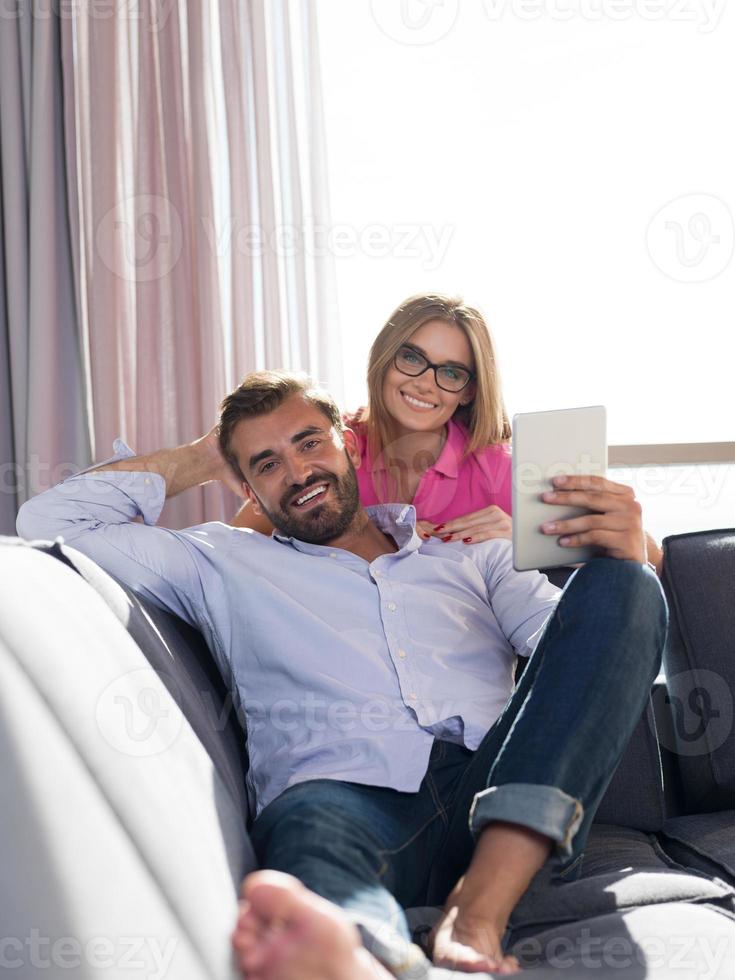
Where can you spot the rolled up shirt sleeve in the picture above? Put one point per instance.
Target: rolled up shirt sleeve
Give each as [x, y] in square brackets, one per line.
[95, 513]
[522, 602]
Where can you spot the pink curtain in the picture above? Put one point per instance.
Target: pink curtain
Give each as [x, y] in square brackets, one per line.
[199, 174]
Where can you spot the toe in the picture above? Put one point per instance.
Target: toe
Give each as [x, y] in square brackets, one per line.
[275, 878]
[247, 929]
[254, 958]
[275, 898]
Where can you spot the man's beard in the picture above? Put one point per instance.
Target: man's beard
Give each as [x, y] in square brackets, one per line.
[326, 521]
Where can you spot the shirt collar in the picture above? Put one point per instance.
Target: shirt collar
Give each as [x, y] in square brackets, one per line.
[398, 520]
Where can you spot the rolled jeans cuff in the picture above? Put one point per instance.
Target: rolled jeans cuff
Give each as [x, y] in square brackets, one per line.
[546, 809]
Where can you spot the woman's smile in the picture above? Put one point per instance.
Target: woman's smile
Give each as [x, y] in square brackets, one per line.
[417, 403]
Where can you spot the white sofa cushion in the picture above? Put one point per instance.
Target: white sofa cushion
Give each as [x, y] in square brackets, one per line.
[120, 823]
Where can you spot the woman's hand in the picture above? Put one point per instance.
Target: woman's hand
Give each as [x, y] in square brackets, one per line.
[481, 525]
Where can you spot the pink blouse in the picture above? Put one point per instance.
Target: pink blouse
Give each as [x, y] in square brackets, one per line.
[454, 486]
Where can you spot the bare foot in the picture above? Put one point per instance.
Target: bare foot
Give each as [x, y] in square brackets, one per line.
[468, 941]
[286, 932]
[469, 935]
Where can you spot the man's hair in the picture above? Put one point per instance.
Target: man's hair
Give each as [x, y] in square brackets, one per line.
[261, 392]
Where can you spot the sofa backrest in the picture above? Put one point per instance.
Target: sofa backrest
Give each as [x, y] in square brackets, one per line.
[123, 832]
[699, 581]
[180, 657]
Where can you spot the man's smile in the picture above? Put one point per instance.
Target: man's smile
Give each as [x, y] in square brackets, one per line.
[306, 499]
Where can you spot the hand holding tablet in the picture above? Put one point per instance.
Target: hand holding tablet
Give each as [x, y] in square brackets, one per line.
[585, 516]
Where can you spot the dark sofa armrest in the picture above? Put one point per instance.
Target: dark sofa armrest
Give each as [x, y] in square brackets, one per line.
[699, 660]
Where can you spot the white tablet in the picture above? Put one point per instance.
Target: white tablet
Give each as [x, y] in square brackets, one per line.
[569, 441]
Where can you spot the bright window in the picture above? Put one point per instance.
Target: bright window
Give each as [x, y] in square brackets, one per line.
[566, 165]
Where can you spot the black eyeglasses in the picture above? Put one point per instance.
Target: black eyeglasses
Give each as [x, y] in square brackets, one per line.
[448, 376]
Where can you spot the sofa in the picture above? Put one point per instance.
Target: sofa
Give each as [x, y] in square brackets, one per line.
[124, 816]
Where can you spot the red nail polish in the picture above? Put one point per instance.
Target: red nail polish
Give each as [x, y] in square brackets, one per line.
[467, 540]
[447, 538]
[440, 526]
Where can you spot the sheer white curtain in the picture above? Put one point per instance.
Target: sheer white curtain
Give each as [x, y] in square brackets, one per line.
[200, 178]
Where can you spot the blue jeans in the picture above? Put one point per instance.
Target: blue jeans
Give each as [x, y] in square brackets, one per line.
[544, 764]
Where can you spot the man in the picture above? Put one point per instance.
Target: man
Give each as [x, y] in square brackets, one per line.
[391, 762]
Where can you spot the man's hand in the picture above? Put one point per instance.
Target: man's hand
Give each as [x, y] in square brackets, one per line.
[615, 526]
[221, 468]
[480, 525]
[655, 554]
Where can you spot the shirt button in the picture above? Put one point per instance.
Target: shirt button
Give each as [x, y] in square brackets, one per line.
[402, 654]
[332, 554]
[392, 606]
[377, 574]
[147, 481]
[413, 697]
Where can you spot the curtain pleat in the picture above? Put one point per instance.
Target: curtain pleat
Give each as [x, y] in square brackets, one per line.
[9, 501]
[44, 433]
[199, 147]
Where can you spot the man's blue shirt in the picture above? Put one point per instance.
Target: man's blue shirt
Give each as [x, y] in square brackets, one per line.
[343, 669]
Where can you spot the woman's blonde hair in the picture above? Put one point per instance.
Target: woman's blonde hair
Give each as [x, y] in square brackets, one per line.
[484, 417]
